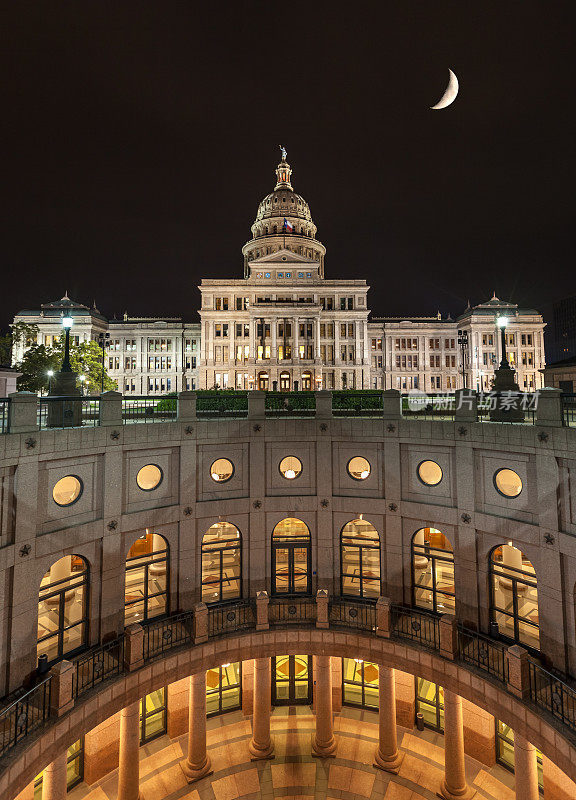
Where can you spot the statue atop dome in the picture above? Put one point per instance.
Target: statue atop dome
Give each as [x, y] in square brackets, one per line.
[283, 151]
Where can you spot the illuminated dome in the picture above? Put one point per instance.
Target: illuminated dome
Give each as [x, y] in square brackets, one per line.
[269, 231]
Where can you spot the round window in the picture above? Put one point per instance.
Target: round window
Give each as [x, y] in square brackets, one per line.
[221, 470]
[430, 473]
[149, 477]
[508, 482]
[67, 490]
[290, 467]
[359, 468]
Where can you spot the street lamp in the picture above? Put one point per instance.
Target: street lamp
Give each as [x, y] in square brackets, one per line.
[463, 342]
[104, 342]
[67, 323]
[50, 374]
[502, 323]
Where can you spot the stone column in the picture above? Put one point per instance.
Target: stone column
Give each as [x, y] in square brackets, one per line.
[323, 743]
[261, 745]
[197, 765]
[525, 769]
[454, 786]
[129, 761]
[387, 756]
[54, 780]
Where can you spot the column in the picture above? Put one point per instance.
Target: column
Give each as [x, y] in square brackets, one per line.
[387, 756]
[197, 765]
[454, 786]
[261, 744]
[54, 779]
[323, 743]
[525, 769]
[158, 543]
[129, 760]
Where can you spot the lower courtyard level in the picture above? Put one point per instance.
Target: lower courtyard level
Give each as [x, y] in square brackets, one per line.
[301, 726]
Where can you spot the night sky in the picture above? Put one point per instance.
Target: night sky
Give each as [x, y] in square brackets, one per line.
[139, 137]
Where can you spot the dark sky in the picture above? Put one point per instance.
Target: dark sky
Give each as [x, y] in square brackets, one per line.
[139, 137]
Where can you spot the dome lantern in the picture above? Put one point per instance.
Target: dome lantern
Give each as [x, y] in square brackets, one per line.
[283, 172]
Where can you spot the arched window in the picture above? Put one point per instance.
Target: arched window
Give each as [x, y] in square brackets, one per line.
[306, 381]
[360, 560]
[146, 588]
[514, 596]
[221, 563]
[433, 571]
[263, 381]
[291, 558]
[63, 608]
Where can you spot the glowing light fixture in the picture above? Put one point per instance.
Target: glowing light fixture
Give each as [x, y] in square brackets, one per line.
[502, 322]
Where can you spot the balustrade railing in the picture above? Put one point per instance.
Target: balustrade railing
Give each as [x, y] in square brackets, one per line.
[97, 665]
[4, 414]
[416, 625]
[568, 402]
[288, 611]
[231, 617]
[68, 412]
[482, 652]
[149, 409]
[164, 634]
[24, 715]
[547, 691]
[351, 614]
[292, 404]
[221, 404]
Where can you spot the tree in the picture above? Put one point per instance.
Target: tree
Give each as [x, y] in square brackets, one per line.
[85, 359]
[20, 332]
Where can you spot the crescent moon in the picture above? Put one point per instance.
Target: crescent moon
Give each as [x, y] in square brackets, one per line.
[449, 95]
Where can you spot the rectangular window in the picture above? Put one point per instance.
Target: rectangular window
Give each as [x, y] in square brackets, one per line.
[350, 330]
[359, 683]
[430, 703]
[152, 715]
[223, 687]
[343, 330]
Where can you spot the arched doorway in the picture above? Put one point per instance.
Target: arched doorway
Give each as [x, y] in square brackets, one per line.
[360, 560]
[514, 596]
[221, 563]
[263, 381]
[63, 608]
[433, 571]
[285, 381]
[306, 381]
[146, 587]
[291, 558]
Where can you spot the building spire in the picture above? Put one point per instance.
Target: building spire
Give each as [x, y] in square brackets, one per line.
[283, 172]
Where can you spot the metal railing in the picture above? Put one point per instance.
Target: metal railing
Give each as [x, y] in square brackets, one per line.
[4, 414]
[149, 409]
[97, 665]
[482, 652]
[350, 403]
[221, 404]
[351, 614]
[568, 409]
[68, 412]
[436, 407]
[231, 617]
[292, 404]
[288, 611]
[165, 634]
[416, 625]
[24, 715]
[550, 693]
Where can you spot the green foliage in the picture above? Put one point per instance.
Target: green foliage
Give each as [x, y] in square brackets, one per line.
[167, 403]
[85, 359]
[20, 332]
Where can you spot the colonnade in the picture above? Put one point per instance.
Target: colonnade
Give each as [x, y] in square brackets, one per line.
[324, 745]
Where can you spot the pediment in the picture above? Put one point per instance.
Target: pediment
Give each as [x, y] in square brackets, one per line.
[283, 257]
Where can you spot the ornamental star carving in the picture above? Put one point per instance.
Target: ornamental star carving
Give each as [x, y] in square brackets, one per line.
[549, 539]
[324, 503]
[187, 511]
[392, 507]
[462, 430]
[390, 428]
[25, 550]
[30, 443]
[112, 525]
[543, 436]
[323, 427]
[188, 429]
[257, 428]
[257, 504]
[115, 435]
[466, 518]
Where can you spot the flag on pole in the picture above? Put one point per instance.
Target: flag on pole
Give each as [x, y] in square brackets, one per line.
[288, 225]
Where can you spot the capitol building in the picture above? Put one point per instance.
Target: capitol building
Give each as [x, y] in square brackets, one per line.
[284, 326]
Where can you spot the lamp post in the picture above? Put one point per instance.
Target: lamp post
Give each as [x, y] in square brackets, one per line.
[104, 342]
[50, 374]
[463, 342]
[67, 323]
[502, 323]
[508, 406]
